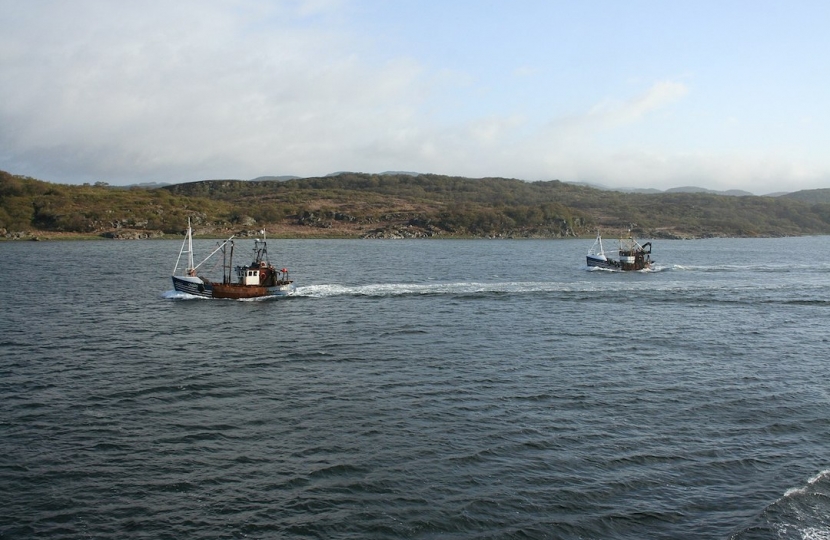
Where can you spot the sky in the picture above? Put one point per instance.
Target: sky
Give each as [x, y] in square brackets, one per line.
[726, 94]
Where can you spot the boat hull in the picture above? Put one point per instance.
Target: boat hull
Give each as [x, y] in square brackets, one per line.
[602, 262]
[611, 264]
[238, 291]
[193, 286]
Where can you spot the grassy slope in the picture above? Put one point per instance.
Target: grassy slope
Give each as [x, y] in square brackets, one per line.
[355, 205]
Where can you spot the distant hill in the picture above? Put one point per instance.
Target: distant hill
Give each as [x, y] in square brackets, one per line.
[810, 195]
[274, 178]
[408, 173]
[683, 189]
[398, 206]
[436, 205]
[283, 178]
[639, 190]
[693, 189]
[385, 173]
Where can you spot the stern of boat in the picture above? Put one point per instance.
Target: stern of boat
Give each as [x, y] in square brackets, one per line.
[282, 289]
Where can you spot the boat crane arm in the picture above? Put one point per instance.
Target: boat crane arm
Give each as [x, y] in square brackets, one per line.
[214, 251]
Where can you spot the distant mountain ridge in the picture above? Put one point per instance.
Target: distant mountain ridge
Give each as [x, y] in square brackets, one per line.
[681, 189]
[810, 195]
[815, 195]
[275, 178]
[694, 189]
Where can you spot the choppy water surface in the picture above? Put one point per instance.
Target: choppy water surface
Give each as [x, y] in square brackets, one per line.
[418, 389]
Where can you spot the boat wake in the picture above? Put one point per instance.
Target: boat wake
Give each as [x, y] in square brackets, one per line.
[650, 270]
[665, 290]
[759, 268]
[801, 513]
[387, 290]
[176, 295]
[435, 289]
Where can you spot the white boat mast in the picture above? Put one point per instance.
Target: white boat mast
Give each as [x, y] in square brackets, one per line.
[187, 247]
[597, 243]
[188, 242]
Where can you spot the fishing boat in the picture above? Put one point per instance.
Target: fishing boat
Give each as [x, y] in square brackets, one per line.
[256, 280]
[632, 255]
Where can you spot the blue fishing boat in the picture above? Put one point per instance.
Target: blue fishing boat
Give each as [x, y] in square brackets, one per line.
[632, 255]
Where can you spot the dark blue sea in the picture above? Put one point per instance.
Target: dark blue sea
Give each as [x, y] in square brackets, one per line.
[426, 389]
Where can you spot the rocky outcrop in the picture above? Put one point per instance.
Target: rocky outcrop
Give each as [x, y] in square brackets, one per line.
[400, 232]
[122, 234]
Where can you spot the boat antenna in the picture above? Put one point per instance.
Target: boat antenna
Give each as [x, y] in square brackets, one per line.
[261, 253]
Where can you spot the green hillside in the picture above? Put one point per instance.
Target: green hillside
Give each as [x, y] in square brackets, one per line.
[392, 205]
[810, 196]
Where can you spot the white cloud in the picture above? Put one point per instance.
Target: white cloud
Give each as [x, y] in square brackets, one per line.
[122, 92]
[611, 113]
[200, 86]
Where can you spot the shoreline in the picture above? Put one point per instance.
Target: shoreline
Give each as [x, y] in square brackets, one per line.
[138, 234]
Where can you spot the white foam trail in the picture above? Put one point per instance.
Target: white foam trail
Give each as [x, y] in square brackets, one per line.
[814, 533]
[653, 269]
[402, 289]
[176, 295]
[803, 489]
[819, 476]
